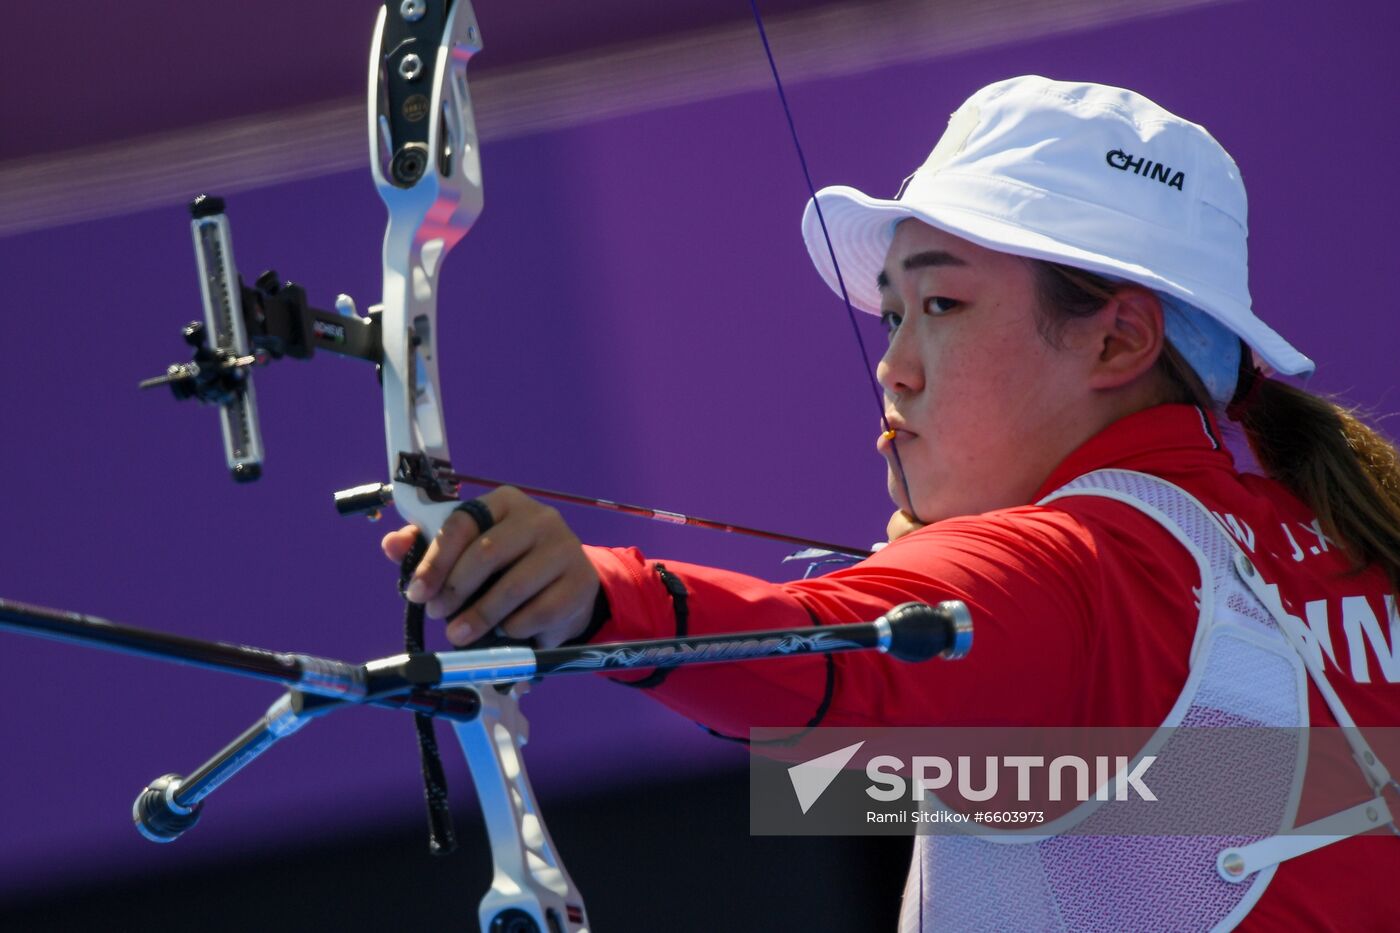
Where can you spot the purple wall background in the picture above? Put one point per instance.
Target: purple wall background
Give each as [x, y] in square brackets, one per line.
[634, 317]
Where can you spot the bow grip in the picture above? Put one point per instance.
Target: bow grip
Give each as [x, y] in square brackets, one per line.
[418, 510]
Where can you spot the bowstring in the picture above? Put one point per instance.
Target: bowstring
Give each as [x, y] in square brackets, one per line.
[835, 264]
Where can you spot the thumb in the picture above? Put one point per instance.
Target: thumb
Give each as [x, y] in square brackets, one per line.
[396, 544]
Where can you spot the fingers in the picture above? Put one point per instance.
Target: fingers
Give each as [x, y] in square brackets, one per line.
[554, 613]
[486, 554]
[396, 544]
[525, 579]
[459, 531]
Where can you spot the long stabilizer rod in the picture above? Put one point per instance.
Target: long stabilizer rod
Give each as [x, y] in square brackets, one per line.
[911, 632]
[309, 674]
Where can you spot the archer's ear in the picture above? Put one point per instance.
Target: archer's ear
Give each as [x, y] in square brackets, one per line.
[1130, 337]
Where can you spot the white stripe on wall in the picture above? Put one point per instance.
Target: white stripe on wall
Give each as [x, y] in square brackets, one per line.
[251, 152]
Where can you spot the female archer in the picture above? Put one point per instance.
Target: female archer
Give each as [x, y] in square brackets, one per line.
[1064, 284]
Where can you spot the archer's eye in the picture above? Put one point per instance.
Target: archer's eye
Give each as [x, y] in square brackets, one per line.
[939, 305]
[890, 321]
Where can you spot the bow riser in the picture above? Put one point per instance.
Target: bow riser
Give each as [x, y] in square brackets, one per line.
[432, 204]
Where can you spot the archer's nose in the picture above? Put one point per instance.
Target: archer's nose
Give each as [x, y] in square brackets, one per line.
[901, 370]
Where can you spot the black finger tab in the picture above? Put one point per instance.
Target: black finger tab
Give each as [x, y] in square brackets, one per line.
[479, 513]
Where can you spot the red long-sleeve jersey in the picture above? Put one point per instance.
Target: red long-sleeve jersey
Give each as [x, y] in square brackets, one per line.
[1084, 616]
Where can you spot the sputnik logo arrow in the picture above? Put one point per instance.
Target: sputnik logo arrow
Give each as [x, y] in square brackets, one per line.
[810, 779]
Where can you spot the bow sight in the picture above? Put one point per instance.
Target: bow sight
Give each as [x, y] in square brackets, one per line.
[247, 326]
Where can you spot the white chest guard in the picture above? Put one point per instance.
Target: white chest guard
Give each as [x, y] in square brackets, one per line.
[1246, 670]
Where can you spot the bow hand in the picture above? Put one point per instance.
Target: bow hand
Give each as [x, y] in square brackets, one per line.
[525, 577]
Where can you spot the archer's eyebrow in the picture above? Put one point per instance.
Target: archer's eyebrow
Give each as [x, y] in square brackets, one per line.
[925, 260]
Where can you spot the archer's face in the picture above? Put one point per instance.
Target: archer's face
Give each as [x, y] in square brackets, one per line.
[984, 407]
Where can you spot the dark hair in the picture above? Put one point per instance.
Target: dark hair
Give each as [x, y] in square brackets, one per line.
[1345, 471]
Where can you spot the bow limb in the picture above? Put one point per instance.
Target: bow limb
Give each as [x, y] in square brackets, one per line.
[426, 164]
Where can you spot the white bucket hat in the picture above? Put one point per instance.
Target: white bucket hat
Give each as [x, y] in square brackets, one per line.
[1095, 177]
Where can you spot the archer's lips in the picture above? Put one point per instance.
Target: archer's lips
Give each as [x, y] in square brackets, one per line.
[884, 443]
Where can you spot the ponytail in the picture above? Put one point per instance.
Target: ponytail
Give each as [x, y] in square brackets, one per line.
[1346, 472]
